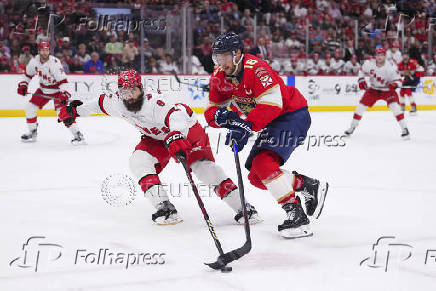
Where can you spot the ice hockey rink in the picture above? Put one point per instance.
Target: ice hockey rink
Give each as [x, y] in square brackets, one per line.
[377, 230]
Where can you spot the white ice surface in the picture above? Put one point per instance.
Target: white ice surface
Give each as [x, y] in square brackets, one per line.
[380, 186]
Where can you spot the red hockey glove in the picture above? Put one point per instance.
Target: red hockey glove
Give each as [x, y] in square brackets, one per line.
[363, 85]
[393, 86]
[64, 97]
[176, 143]
[68, 114]
[22, 88]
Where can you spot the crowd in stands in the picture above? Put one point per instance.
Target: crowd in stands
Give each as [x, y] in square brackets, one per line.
[274, 30]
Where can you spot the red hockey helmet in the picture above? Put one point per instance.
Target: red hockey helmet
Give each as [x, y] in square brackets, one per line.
[129, 79]
[380, 50]
[43, 45]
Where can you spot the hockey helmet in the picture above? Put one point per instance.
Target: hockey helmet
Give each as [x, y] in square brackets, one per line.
[127, 81]
[227, 42]
[43, 45]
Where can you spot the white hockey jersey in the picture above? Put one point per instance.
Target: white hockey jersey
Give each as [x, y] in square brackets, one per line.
[379, 77]
[156, 118]
[394, 57]
[337, 66]
[351, 69]
[52, 77]
[314, 68]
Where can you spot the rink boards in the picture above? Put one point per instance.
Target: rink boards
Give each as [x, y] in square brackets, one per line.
[324, 93]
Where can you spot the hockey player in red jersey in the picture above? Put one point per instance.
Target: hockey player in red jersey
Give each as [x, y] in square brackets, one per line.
[411, 71]
[280, 113]
[167, 129]
[383, 80]
[53, 84]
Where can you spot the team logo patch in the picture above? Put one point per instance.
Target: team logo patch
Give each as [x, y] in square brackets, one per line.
[266, 80]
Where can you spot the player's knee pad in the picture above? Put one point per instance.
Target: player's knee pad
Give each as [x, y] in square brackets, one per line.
[255, 181]
[142, 163]
[265, 164]
[30, 110]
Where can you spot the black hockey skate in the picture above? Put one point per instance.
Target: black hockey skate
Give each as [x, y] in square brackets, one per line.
[405, 134]
[29, 137]
[296, 224]
[253, 216]
[166, 214]
[314, 193]
[78, 139]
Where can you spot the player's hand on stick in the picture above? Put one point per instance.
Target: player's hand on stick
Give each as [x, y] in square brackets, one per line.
[239, 131]
[177, 144]
[64, 97]
[22, 88]
[223, 117]
[393, 86]
[68, 114]
[363, 85]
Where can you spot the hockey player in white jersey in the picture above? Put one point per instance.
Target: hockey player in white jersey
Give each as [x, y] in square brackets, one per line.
[338, 63]
[53, 84]
[314, 65]
[167, 129]
[352, 67]
[384, 78]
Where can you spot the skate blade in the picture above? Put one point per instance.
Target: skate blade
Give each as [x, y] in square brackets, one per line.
[413, 113]
[292, 233]
[407, 137]
[78, 143]
[322, 193]
[169, 221]
[28, 140]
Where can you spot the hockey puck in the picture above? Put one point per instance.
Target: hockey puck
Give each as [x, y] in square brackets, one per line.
[226, 269]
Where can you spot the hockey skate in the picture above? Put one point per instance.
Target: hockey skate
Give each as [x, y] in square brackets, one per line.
[78, 139]
[253, 216]
[413, 111]
[29, 137]
[314, 193]
[296, 224]
[166, 214]
[349, 131]
[405, 135]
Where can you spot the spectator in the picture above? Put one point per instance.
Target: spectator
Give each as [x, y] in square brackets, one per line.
[94, 65]
[129, 52]
[168, 65]
[76, 66]
[4, 65]
[114, 47]
[352, 67]
[294, 67]
[154, 67]
[197, 68]
[82, 56]
[315, 65]
[327, 67]
[431, 68]
[338, 62]
[349, 50]
[25, 56]
[260, 50]
[147, 50]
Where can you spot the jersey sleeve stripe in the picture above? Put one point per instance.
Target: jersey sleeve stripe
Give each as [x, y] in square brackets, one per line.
[100, 103]
[167, 118]
[270, 103]
[267, 91]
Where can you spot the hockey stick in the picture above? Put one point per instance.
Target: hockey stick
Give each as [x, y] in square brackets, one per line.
[205, 88]
[219, 264]
[45, 96]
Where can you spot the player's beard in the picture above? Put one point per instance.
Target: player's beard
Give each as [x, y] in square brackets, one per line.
[135, 106]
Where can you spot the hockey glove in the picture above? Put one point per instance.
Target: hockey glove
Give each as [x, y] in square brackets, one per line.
[22, 88]
[68, 114]
[239, 131]
[64, 97]
[223, 117]
[363, 85]
[176, 143]
[393, 86]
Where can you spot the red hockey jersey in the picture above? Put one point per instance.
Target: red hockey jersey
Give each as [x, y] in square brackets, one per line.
[258, 92]
[410, 68]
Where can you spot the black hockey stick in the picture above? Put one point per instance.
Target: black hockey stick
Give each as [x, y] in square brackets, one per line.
[205, 88]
